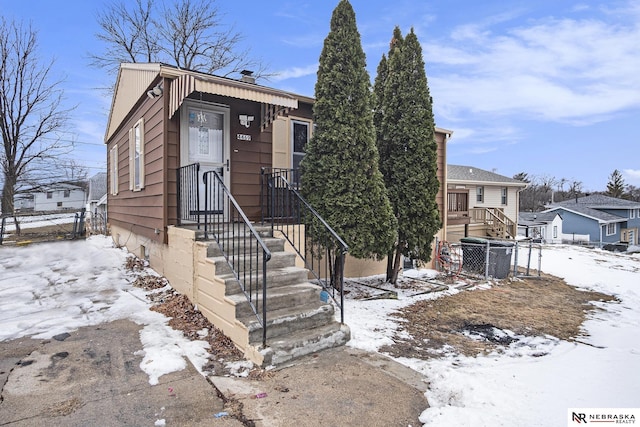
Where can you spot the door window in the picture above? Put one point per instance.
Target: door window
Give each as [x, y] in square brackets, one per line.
[206, 138]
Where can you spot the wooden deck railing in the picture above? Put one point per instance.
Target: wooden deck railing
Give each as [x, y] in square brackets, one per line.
[495, 218]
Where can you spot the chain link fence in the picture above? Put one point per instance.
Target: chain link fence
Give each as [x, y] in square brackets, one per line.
[485, 258]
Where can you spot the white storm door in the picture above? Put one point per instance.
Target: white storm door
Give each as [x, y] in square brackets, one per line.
[205, 140]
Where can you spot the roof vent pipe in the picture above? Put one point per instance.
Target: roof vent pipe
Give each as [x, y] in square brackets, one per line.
[247, 76]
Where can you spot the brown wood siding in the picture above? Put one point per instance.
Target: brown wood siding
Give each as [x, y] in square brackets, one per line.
[248, 157]
[141, 212]
[172, 164]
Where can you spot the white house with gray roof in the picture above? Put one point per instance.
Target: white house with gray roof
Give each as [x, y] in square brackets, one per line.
[606, 220]
[97, 204]
[481, 203]
[545, 227]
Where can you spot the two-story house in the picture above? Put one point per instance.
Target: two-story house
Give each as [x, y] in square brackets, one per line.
[481, 203]
[602, 219]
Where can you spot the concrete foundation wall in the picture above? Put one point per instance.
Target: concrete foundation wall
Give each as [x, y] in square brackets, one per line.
[183, 261]
[353, 267]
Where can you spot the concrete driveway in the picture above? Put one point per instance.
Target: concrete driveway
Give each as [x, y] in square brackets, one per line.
[93, 377]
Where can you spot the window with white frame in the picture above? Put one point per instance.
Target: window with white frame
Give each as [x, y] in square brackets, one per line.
[504, 195]
[300, 135]
[555, 231]
[66, 193]
[611, 229]
[480, 194]
[632, 213]
[113, 162]
[136, 156]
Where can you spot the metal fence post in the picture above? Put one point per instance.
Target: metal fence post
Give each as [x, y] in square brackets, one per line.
[2, 224]
[486, 261]
[539, 260]
[529, 260]
[515, 260]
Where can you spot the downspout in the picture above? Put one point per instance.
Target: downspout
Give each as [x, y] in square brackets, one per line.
[165, 160]
[600, 234]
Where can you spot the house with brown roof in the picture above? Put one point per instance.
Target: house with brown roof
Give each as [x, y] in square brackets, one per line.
[202, 183]
[481, 203]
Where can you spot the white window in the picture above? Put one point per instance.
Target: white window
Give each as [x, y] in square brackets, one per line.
[611, 229]
[555, 231]
[300, 135]
[113, 160]
[136, 156]
[66, 193]
[504, 194]
[632, 213]
[480, 194]
[49, 194]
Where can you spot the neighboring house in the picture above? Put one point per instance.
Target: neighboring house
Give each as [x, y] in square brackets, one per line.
[189, 153]
[57, 197]
[96, 217]
[23, 202]
[481, 203]
[545, 227]
[602, 218]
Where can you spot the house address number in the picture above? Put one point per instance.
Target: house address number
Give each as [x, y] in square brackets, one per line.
[243, 137]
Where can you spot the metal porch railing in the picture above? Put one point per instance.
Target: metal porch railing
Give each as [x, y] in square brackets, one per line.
[318, 245]
[218, 214]
[188, 189]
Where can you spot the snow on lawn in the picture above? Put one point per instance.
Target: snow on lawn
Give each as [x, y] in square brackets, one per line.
[521, 387]
[37, 221]
[51, 288]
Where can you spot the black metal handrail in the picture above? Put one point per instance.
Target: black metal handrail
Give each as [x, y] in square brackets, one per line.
[239, 242]
[318, 245]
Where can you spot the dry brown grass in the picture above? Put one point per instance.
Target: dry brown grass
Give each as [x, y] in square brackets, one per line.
[530, 307]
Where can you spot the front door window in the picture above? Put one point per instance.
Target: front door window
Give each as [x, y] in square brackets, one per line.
[205, 140]
[206, 137]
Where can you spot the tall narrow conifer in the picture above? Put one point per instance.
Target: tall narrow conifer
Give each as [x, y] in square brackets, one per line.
[405, 132]
[340, 175]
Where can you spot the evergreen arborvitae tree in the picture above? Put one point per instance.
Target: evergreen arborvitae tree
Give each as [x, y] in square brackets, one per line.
[340, 176]
[615, 186]
[406, 142]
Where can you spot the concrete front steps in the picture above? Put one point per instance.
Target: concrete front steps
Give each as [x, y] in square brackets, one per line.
[298, 321]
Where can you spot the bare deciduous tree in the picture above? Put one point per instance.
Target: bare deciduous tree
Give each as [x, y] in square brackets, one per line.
[125, 32]
[189, 34]
[31, 113]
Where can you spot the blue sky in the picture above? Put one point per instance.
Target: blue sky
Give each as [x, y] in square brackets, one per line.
[548, 87]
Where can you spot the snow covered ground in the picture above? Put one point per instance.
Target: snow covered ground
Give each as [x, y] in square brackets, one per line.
[50, 288]
[36, 221]
[520, 387]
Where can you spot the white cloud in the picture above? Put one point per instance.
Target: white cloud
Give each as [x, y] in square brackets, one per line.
[562, 70]
[296, 72]
[632, 176]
